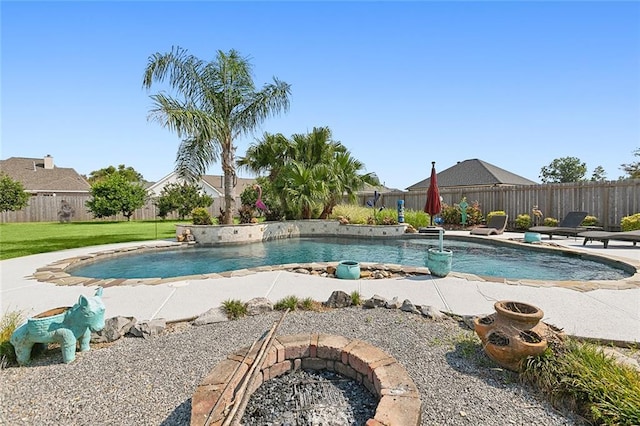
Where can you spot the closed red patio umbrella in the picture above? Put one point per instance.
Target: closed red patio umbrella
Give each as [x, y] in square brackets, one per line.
[433, 206]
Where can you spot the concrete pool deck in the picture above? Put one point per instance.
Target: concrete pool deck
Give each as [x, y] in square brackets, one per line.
[608, 311]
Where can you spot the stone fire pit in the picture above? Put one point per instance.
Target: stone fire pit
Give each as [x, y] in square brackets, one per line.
[398, 399]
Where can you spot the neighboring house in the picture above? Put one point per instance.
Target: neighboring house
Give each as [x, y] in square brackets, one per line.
[40, 177]
[475, 173]
[212, 185]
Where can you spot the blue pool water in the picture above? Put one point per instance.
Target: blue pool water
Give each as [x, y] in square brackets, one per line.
[468, 257]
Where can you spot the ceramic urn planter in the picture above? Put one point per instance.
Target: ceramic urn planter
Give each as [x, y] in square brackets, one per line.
[348, 270]
[513, 333]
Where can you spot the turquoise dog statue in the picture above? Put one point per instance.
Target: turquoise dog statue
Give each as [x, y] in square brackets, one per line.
[66, 326]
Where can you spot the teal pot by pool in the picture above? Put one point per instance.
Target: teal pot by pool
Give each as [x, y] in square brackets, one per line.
[532, 237]
[439, 262]
[348, 270]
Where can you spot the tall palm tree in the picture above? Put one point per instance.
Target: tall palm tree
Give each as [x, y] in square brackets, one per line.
[217, 103]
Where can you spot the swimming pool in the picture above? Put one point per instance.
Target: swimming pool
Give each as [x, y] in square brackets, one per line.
[468, 257]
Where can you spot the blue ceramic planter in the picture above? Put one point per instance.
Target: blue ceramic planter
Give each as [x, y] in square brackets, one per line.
[532, 237]
[348, 270]
[439, 262]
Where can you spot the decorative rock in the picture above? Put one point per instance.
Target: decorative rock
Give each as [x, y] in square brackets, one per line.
[393, 303]
[621, 358]
[375, 302]
[302, 271]
[148, 328]
[331, 270]
[433, 313]
[114, 329]
[259, 305]
[338, 299]
[212, 316]
[407, 306]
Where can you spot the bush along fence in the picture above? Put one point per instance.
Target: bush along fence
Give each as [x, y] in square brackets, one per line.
[608, 201]
[72, 208]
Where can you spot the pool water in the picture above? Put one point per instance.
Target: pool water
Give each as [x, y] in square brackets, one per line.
[468, 257]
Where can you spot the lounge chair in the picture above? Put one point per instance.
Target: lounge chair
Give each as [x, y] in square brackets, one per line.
[633, 236]
[495, 226]
[569, 226]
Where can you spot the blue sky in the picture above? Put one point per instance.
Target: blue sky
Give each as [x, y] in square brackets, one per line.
[400, 84]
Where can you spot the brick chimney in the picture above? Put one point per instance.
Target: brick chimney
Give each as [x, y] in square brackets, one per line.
[48, 162]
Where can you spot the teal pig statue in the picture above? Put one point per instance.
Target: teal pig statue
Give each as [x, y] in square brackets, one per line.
[66, 326]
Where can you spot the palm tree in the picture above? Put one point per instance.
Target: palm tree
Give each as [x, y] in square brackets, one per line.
[308, 170]
[217, 103]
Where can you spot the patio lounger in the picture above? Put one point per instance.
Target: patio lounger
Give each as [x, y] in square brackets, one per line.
[495, 226]
[569, 226]
[605, 237]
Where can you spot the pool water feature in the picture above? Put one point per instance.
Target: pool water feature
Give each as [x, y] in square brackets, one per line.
[468, 257]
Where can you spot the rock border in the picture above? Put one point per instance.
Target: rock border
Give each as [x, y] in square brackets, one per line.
[55, 272]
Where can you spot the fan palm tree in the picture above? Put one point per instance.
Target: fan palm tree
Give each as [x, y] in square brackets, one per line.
[308, 170]
[217, 103]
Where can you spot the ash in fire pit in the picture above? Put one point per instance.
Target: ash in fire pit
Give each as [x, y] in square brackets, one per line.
[310, 397]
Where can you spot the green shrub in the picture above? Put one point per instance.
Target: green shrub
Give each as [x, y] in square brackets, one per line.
[550, 221]
[590, 221]
[234, 308]
[416, 218]
[359, 215]
[8, 324]
[307, 304]
[450, 214]
[630, 223]
[523, 221]
[495, 213]
[246, 214]
[356, 299]
[200, 216]
[290, 302]
[580, 376]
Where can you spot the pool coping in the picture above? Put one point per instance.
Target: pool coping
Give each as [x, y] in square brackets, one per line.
[55, 272]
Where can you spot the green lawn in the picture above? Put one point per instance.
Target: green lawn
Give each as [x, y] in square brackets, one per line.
[22, 239]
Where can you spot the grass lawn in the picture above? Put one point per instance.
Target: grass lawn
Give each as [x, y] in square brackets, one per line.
[22, 239]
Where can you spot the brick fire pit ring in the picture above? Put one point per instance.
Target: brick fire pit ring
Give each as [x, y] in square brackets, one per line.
[398, 398]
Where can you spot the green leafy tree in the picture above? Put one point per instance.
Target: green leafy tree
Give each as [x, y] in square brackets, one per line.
[115, 194]
[129, 173]
[633, 169]
[183, 198]
[563, 170]
[12, 195]
[217, 102]
[598, 174]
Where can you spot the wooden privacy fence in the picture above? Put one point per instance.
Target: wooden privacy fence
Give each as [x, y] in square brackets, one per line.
[47, 209]
[608, 201]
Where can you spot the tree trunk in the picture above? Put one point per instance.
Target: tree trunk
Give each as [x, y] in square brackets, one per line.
[228, 168]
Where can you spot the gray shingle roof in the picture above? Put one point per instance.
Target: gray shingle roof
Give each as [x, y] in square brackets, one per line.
[36, 178]
[473, 173]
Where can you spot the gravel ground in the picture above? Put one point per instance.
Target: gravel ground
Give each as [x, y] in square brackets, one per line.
[137, 381]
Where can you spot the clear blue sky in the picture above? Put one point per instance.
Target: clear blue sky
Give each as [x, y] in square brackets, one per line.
[401, 84]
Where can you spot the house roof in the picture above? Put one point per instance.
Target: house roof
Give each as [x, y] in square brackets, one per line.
[35, 177]
[217, 182]
[473, 172]
[212, 184]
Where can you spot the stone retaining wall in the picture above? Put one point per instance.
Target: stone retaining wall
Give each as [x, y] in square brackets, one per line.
[254, 232]
[398, 399]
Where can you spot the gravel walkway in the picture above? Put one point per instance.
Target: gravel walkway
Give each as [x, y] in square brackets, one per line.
[150, 381]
